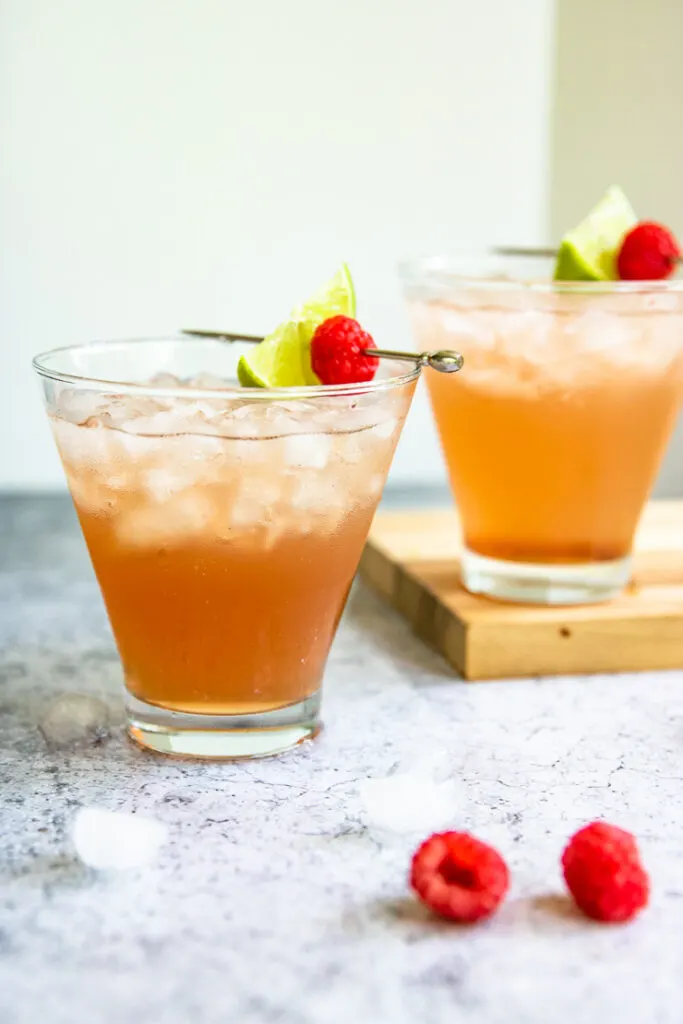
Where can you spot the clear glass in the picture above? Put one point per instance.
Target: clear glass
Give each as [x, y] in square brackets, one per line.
[225, 526]
[555, 429]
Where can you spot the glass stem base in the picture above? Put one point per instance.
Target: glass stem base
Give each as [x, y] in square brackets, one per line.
[550, 584]
[222, 737]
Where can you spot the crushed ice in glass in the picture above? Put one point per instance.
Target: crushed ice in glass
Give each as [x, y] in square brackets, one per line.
[309, 451]
[172, 466]
[116, 840]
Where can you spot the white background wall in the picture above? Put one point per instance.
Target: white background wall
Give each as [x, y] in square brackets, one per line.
[618, 117]
[175, 162]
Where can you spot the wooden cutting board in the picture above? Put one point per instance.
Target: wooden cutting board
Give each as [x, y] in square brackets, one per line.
[411, 559]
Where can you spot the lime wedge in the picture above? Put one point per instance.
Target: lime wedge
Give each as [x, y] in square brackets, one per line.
[283, 360]
[589, 251]
[276, 362]
[336, 297]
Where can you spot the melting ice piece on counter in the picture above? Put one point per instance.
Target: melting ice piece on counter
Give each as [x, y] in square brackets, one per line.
[408, 802]
[115, 840]
[430, 764]
[74, 720]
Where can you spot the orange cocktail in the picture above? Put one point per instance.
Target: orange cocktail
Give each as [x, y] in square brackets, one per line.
[554, 431]
[225, 525]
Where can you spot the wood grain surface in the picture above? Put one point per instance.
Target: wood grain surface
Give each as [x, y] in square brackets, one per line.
[412, 560]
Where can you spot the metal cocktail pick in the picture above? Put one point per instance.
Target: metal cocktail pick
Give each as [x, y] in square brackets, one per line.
[524, 250]
[444, 361]
[542, 251]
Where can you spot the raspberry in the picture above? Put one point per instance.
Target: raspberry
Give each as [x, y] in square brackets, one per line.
[603, 872]
[649, 252]
[458, 876]
[338, 352]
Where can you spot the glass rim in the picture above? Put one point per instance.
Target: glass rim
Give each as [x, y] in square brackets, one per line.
[258, 394]
[453, 269]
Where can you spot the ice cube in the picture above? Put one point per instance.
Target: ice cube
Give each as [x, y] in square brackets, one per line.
[247, 421]
[244, 449]
[374, 485]
[385, 428]
[307, 451]
[322, 494]
[351, 448]
[205, 411]
[601, 332]
[603, 337]
[258, 420]
[210, 382]
[129, 407]
[89, 443]
[159, 423]
[454, 328]
[79, 406]
[166, 380]
[244, 411]
[255, 501]
[74, 720]
[161, 481]
[246, 512]
[408, 802]
[116, 840]
[186, 513]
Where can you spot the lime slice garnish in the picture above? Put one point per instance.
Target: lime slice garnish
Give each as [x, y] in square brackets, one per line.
[589, 251]
[283, 360]
[336, 297]
[277, 362]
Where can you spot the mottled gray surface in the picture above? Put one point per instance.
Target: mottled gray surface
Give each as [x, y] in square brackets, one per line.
[271, 902]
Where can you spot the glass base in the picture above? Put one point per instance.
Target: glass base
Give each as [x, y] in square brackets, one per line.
[530, 583]
[222, 737]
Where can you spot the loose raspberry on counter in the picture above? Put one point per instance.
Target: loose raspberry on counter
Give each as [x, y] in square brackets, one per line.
[604, 874]
[649, 252]
[459, 877]
[338, 352]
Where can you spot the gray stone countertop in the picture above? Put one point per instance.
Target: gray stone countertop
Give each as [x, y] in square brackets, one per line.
[272, 900]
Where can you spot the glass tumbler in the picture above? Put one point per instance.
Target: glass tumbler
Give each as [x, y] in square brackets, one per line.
[224, 525]
[554, 432]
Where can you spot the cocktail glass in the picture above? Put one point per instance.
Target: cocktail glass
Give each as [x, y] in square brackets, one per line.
[554, 432]
[224, 525]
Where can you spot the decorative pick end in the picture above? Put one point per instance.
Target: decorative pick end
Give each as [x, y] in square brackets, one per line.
[444, 361]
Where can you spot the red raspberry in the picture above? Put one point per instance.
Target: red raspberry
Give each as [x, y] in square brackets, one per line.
[458, 876]
[338, 352]
[603, 872]
[649, 252]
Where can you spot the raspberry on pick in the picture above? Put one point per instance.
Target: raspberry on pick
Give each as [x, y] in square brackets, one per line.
[649, 252]
[459, 877]
[604, 874]
[338, 350]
